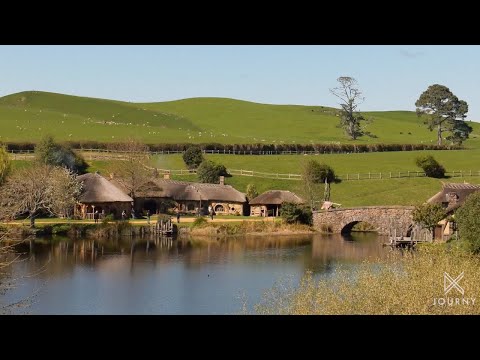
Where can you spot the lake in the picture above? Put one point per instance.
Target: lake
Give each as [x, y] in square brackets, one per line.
[166, 276]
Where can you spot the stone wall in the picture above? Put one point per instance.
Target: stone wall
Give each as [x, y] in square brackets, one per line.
[383, 218]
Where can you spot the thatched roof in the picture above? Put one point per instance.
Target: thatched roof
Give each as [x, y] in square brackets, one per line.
[454, 194]
[97, 189]
[276, 197]
[183, 190]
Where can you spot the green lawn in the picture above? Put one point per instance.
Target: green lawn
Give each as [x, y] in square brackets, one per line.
[342, 163]
[28, 116]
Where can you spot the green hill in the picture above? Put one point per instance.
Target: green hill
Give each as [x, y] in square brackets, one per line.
[27, 116]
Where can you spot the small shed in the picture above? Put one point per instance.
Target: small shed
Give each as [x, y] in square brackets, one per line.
[270, 202]
[100, 194]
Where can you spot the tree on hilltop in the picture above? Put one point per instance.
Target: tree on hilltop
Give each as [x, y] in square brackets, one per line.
[443, 111]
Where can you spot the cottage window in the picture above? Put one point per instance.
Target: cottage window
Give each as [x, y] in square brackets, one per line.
[190, 207]
[219, 208]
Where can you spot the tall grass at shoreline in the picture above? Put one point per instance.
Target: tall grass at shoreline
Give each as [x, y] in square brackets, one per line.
[403, 283]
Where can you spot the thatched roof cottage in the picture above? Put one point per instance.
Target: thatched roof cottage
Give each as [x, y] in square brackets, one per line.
[453, 195]
[189, 197]
[100, 194]
[270, 202]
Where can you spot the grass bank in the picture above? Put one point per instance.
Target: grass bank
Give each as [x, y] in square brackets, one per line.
[247, 228]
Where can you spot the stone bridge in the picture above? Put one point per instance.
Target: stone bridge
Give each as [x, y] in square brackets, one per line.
[383, 218]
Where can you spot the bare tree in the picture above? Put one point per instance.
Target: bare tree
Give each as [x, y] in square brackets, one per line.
[351, 97]
[131, 171]
[36, 189]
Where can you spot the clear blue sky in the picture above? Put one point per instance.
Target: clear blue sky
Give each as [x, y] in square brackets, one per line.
[391, 77]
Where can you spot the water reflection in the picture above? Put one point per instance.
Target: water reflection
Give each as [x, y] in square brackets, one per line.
[176, 276]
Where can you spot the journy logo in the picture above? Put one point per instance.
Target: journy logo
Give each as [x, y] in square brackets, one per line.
[449, 283]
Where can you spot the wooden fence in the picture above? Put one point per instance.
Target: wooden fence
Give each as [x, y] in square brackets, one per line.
[346, 177]
[107, 154]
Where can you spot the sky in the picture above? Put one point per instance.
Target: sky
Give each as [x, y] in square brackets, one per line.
[391, 77]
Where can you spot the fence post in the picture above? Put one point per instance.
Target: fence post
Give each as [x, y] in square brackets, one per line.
[369, 175]
[390, 174]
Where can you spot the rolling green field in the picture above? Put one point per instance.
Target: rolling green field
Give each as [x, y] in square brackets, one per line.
[341, 163]
[28, 116]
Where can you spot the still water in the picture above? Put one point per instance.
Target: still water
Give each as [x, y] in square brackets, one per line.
[208, 276]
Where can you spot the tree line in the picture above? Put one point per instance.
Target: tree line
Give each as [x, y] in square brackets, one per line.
[247, 148]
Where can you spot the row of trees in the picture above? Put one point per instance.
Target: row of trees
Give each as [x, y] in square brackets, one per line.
[440, 109]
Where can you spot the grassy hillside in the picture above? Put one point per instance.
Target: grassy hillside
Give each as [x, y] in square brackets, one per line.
[27, 116]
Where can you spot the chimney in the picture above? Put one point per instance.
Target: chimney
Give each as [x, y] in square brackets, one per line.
[222, 180]
[166, 176]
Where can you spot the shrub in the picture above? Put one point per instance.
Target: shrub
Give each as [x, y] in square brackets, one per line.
[60, 229]
[200, 222]
[293, 213]
[430, 166]
[428, 215]
[468, 220]
[210, 172]
[193, 157]
[107, 218]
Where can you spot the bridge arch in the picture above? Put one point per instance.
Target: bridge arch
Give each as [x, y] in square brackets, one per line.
[348, 228]
[383, 218]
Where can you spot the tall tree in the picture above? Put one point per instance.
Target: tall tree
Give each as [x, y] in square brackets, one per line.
[131, 171]
[5, 164]
[314, 175]
[210, 172]
[443, 111]
[39, 189]
[193, 157]
[49, 152]
[351, 97]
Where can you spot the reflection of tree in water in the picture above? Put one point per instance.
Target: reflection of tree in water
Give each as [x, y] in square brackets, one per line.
[63, 254]
[317, 253]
